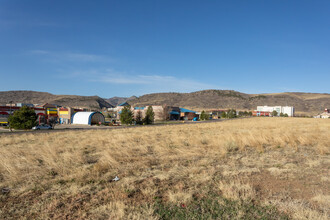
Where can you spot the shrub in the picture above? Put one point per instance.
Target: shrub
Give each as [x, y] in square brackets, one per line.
[138, 118]
[274, 113]
[24, 118]
[126, 116]
[231, 113]
[149, 118]
[204, 116]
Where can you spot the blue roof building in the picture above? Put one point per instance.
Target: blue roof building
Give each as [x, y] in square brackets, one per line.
[186, 110]
[123, 104]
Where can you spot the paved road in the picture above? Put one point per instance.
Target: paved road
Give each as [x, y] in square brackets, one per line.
[62, 128]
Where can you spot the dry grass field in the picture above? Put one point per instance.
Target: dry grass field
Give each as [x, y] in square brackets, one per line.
[257, 168]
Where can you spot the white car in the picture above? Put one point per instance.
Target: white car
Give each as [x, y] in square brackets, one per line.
[42, 127]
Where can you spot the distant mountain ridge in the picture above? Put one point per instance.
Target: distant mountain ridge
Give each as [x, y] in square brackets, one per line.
[34, 97]
[305, 103]
[118, 100]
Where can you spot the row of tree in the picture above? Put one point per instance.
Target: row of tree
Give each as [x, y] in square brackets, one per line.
[127, 116]
[231, 113]
[275, 113]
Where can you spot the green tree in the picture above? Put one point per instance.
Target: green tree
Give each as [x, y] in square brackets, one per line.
[138, 118]
[24, 118]
[286, 115]
[149, 118]
[126, 115]
[246, 113]
[204, 116]
[274, 113]
[231, 113]
[223, 115]
[240, 114]
[281, 114]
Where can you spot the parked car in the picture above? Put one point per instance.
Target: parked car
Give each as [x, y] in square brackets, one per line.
[42, 127]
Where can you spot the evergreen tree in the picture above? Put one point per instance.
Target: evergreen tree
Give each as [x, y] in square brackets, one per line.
[149, 118]
[204, 116]
[138, 118]
[274, 113]
[223, 115]
[126, 116]
[240, 114]
[231, 113]
[24, 118]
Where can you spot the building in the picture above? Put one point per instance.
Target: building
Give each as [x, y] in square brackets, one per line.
[51, 110]
[261, 113]
[160, 112]
[65, 114]
[5, 111]
[173, 113]
[24, 104]
[216, 113]
[325, 114]
[289, 110]
[186, 114]
[88, 118]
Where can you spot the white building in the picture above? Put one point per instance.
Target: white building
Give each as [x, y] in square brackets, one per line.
[325, 114]
[87, 118]
[280, 109]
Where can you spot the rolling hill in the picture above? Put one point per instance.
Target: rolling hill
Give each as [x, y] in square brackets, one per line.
[33, 97]
[304, 103]
[118, 100]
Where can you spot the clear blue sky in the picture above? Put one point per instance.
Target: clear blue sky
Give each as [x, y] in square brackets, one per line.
[124, 48]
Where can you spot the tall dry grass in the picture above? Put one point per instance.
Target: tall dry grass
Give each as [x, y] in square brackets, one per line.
[70, 173]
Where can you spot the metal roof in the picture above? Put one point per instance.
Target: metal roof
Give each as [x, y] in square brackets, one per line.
[123, 104]
[174, 113]
[139, 108]
[186, 110]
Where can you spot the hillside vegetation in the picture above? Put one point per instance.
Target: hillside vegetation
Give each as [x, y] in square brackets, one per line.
[44, 97]
[305, 103]
[118, 100]
[256, 168]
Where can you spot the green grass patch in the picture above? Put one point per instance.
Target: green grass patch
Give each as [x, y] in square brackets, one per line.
[217, 208]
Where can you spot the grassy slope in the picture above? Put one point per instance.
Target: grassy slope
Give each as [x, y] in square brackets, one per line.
[252, 168]
[304, 103]
[44, 97]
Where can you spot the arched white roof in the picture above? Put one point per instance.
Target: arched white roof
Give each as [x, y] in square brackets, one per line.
[83, 118]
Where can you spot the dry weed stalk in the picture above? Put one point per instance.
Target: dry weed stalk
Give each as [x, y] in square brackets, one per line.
[177, 162]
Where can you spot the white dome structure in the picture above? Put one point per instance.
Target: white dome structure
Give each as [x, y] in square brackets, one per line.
[88, 118]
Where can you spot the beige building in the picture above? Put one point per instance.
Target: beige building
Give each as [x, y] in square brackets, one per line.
[161, 112]
[65, 114]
